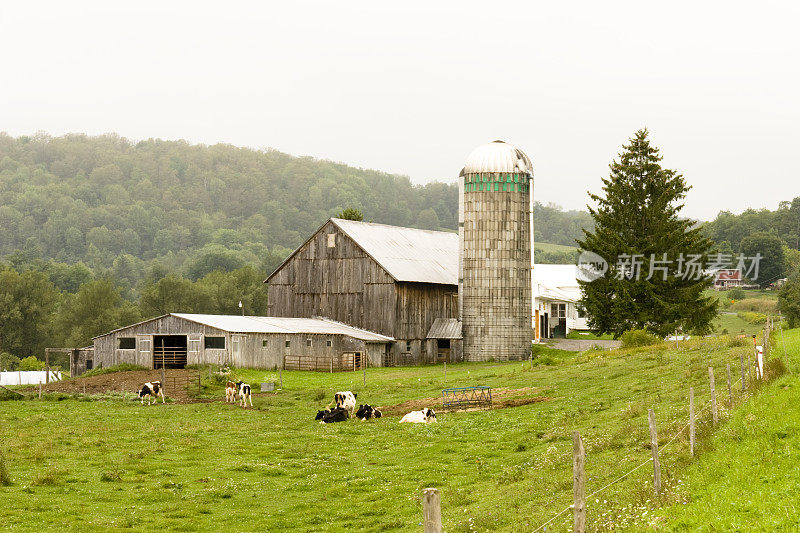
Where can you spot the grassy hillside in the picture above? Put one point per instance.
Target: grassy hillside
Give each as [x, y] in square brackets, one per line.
[547, 247]
[746, 478]
[113, 465]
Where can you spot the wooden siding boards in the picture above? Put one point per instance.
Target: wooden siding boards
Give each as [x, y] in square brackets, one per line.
[345, 284]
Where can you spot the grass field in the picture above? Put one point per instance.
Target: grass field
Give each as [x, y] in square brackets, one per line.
[547, 247]
[105, 464]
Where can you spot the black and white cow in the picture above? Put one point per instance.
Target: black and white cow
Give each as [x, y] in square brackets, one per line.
[346, 400]
[338, 414]
[152, 390]
[243, 390]
[365, 412]
[424, 416]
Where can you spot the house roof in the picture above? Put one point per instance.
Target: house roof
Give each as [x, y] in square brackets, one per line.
[445, 328]
[543, 292]
[407, 254]
[729, 274]
[266, 324]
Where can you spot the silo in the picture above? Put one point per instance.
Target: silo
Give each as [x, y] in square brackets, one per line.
[495, 253]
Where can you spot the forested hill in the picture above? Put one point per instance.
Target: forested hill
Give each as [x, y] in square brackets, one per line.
[118, 206]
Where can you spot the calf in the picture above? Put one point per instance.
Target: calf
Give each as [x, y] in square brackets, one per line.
[338, 414]
[243, 390]
[230, 392]
[365, 412]
[425, 416]
[152, 390]
[346, 400]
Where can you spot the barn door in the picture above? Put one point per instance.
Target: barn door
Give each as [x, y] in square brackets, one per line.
[193, 351]
[145, 357]
[236, 349]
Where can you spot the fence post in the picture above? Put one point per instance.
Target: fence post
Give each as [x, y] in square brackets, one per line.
[432, 511]
[163, 380]
[40, 390]
[445, 370]
[199, 385]
[654, 447]
[713, 395]
[578, 483]
[691, 421]
[280, 372]
[47, 365]
[741, 362]
[730, 392]
[364, 370]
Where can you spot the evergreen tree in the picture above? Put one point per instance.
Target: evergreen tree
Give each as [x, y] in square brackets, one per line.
[351, 213]
[639, 235]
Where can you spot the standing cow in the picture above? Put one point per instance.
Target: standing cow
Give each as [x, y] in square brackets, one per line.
[230, 392]
[345, 400]
[243, 389]
[152, 390]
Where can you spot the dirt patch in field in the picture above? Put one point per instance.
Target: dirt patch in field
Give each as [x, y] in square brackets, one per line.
[176, 384]
[502, 398]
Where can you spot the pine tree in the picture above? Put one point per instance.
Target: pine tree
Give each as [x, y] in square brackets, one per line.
[636, 224]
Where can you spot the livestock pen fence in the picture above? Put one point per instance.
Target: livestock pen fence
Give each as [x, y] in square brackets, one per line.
[752, 371]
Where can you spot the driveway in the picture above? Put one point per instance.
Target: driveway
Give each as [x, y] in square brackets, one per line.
[580, 345]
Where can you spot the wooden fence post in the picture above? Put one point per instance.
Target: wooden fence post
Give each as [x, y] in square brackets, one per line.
[445, 370]
[199, 385]
[713, 395]
[654, 447]
[432, 511]
[730, 392]
[40, 390]
[280, 373]
[741, 362]
[578, 483]
[364, 370]
[163, 380]
[691, 421]
[47, 366]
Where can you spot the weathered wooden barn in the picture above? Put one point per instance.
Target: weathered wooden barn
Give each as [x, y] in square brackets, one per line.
[391, 280]
[178, 339]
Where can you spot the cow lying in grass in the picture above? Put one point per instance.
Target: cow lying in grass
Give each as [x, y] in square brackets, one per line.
[346, 400]
[365, 412]
[328, 416]
[243, 390]
[152, 390]
[230, 392]
[424, 416]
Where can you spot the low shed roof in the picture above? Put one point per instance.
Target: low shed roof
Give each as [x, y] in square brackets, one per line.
[269, 324]
[445, 328]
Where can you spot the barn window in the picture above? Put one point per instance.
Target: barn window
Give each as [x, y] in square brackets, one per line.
[215, 343]
[331, 240]
[308, 342]
[329, 343]
[127, 343]
[288, 343]
[408, 346]
[89, 364]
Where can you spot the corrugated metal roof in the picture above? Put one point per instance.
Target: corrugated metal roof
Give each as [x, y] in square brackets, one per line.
[497, 156]
[407, 254]
[445, 328]
[268, 324]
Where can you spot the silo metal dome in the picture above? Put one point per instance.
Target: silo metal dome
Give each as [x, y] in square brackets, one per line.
[495, 192]
[497, 156]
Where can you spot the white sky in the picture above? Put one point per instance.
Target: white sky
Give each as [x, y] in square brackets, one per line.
[412, 87]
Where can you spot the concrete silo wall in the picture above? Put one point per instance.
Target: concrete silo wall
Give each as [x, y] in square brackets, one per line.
[496, 267]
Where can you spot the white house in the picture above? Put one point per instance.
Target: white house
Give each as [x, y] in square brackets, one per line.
[555, 297]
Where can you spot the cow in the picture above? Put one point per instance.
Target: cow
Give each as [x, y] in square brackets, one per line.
[365, 412]
[345, 399]
[329, 416]
[424, 416]
[230, 392]
[152, 390]
[243, 389]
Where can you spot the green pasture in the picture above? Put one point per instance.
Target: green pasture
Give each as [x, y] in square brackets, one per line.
[548, 247]
[108, 464]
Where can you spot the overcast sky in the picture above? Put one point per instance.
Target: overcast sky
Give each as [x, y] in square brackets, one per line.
[412, 87]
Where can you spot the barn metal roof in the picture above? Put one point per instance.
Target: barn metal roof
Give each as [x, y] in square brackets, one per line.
[268, 324]
[445, 328]
[407, 254]
[497, 156]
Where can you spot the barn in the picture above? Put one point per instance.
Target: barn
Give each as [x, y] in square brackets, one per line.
[179, 339]
[392, 280]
